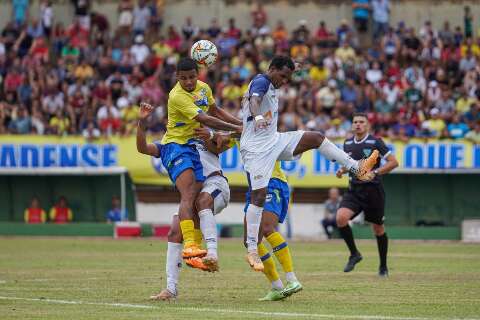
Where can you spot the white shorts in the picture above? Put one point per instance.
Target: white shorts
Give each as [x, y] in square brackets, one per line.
[217, 187]
[259, 165]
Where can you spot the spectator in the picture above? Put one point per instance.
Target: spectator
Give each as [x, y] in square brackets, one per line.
[474, 135]
[214, 29]
[115, 214]
[468, 22]
[20, 11]
[91, 132]
[189, 30]
[139, 50]
[59, 124]
[141, 18]
[20, 122]
[381, 17]
[82, 8]
[435, 125]
[60, 213]
[328, 96]
[457, 129]
[331, 206]
[34, 213]
[361, 14]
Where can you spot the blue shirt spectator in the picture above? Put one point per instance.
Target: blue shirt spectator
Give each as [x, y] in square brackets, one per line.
[20, 8]
[457, 129]
[115, 214]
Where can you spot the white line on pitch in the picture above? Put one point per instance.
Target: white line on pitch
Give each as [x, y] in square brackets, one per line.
[214, 310]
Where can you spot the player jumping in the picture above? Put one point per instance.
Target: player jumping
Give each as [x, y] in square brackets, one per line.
[261, 146]
[190, 103]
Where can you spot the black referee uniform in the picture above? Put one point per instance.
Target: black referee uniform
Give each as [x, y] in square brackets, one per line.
[366, 196]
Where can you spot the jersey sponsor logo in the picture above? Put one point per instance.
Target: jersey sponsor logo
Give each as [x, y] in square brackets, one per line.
[348, 142]
[370, 141]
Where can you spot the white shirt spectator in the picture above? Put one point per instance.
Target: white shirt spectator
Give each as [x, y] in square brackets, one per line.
[46, 15]
[391, 94]
[103, 112]
[53, 102]
[141, 17]
[140, 52]
[374, 75]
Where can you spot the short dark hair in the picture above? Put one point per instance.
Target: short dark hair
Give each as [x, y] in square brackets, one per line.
[278, 62]
[187, 64]
[360, 114]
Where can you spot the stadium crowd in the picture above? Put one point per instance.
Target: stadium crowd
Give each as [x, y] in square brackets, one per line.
[89, 77]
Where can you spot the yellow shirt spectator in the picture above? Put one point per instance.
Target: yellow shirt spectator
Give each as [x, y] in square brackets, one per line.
[60, 124]
[84, 71]
[463, 104]
[345, 53]
[319, 74]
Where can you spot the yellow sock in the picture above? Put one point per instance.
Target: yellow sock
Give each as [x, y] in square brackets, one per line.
[269, 268]
[281, 251]
[198, 237]
[188, 232]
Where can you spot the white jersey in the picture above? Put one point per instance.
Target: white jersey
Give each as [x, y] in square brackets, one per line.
[210, 161]
[260, 140]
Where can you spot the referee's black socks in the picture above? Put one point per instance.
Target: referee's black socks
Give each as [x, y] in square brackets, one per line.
[382, 243]
[347, 235]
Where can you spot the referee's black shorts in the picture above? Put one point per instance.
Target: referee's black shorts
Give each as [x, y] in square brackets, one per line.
[369, 198]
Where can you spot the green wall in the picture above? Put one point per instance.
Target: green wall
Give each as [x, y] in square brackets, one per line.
[447, 198]
[89, 197]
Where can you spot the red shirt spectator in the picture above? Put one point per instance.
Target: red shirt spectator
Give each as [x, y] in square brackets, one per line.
[34, 213]
[61, 213]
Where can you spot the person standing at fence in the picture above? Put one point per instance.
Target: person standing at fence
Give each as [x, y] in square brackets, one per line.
[367, 196]
[34, 213]
[329, 221]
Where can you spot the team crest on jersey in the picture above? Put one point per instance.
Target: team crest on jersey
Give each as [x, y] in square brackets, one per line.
[367, 152]
[269, 197]
[202, 100]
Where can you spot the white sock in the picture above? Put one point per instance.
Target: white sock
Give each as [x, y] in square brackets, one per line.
[209, 230]
[334, 153]
[253, 217]
[290, 276]
[277, 284]
[174, 262]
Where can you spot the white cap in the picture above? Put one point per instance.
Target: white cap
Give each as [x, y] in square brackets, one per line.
[122, 102]
[433, 84]
[138, 38]
[434, 111]
[332, 83]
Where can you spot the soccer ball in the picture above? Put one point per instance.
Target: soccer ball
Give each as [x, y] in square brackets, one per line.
[204, 52]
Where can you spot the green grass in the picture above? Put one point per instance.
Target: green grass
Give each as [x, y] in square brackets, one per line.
[428, 280]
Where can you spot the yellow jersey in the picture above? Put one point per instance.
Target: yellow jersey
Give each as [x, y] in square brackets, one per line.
[183, 107]
[277, 169]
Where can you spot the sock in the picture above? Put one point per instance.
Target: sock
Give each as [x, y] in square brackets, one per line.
[270, 270]
[197, 235]
[282, 252]
[253, 218]
[209, 230]
[347, 235]
[174, 262]
[382, 243]
[188, 232]
[334, 153]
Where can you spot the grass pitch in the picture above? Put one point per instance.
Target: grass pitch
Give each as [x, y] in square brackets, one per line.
[67, 278]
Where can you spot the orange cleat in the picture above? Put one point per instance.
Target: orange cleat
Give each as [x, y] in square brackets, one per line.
[254, 261]
[365, 167]
[197, 263]
[211, 262]
[164, 295]
[192, 251]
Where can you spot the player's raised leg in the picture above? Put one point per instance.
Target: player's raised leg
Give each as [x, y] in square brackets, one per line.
[188, 188]
[343, 216]
[174, 262]
[315, 140]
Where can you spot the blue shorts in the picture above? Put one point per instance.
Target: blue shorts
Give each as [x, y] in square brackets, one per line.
[278, 197]
[177, 158]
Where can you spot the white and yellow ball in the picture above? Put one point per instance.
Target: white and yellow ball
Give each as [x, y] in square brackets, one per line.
[204, 52]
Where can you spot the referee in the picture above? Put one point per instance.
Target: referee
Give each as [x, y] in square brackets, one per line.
[366, 196]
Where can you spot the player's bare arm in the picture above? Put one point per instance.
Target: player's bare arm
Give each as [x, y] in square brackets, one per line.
[340, 172]
[215, 142]
[142, 145]
[391, 164]
[221, 114]
[217, 124]
[260, 121]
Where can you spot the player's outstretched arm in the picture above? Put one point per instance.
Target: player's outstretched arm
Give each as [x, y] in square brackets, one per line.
[217, 124]
[142, 145]
[215, 142]
[223, 115]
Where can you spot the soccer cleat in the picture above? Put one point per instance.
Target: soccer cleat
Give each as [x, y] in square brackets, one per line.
[365, 166]
[383, 272]
[164, 295]
[211, 262]
[192, 251]
[254, 261]
[291, 288]
[273, 295]
[196, 263]
[352, 261]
